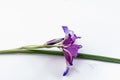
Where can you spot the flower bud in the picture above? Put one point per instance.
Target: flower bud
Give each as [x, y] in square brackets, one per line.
[54, 41]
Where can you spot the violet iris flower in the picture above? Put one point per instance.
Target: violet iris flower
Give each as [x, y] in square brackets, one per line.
[69, 48]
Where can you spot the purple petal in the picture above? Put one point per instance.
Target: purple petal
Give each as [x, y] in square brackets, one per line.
[68, 40]
[73, 49]
[66, 71]
[68, 56]
[74, 38]
[65, 29]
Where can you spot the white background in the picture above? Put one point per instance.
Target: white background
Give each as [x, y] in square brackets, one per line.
[28, 22]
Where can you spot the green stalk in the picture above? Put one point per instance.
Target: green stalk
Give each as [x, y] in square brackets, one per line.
[59, 53]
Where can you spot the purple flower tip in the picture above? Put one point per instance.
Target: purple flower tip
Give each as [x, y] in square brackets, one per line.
[66, 71]
[65, 29]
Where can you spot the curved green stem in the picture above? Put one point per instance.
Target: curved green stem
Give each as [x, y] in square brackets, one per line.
[59, 53]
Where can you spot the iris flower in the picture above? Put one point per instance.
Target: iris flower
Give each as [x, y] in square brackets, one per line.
[70, 49]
